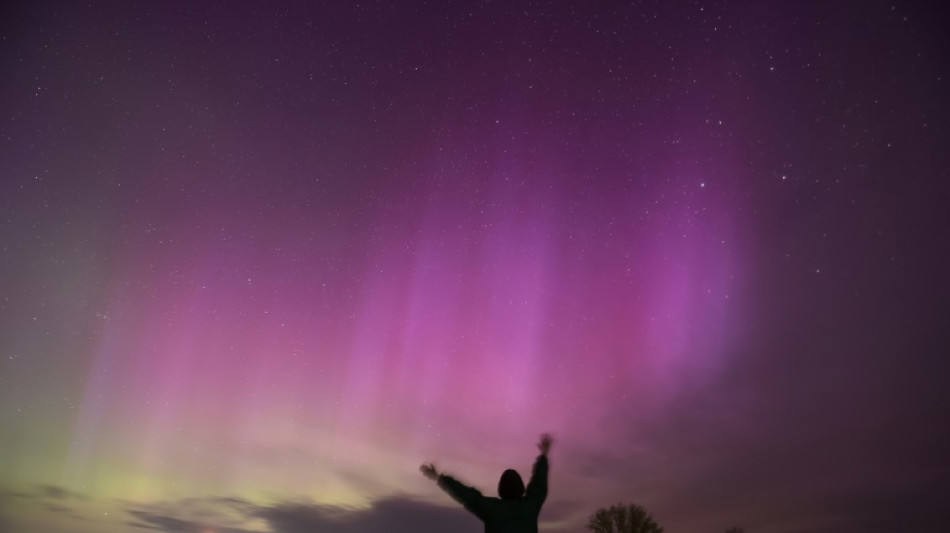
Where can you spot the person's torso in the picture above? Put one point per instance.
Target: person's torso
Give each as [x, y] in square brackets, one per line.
[511, 516]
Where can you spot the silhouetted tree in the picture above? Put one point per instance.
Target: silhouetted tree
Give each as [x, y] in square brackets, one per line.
[622, 518]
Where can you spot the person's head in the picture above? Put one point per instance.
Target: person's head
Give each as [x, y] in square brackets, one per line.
[510, 486]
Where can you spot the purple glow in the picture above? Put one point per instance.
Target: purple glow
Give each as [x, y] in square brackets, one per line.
[259, 264]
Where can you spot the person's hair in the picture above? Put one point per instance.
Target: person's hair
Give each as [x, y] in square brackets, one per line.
[510, 486]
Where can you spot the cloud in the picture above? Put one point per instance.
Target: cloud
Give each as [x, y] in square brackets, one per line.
[195, 515]
[171, 524]
[392, 514]
[51, 498]
[45, 494]
[235, 515]
[59, 508]
[45, 508]
[59, 493]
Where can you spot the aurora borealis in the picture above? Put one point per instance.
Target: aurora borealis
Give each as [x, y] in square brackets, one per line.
[258, 262]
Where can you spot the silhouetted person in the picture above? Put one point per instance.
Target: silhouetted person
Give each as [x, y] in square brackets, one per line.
[516, 509]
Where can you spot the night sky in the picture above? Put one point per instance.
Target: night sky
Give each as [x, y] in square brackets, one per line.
[259, 261]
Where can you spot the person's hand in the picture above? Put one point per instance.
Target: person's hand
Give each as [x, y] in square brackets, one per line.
[429, 471]
[545, 444]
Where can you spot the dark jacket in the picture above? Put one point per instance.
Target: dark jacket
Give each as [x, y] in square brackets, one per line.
[504, 516]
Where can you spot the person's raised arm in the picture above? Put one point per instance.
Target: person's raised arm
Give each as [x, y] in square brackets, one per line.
[469, 497]
[545, 444]
[537, 489]
[429, 471]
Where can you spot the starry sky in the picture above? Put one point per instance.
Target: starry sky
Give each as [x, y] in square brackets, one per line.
[259, 261]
